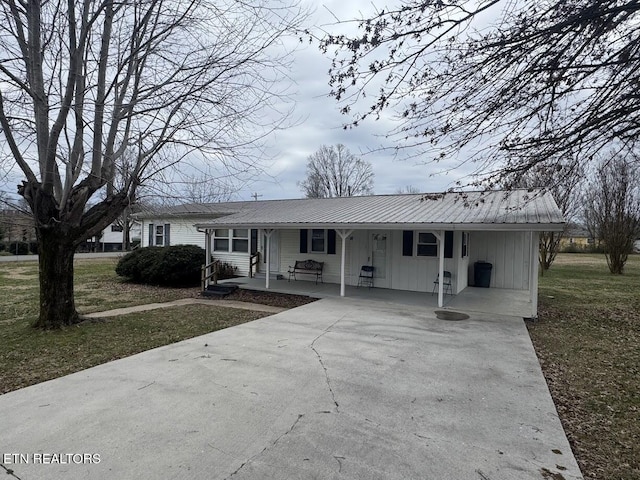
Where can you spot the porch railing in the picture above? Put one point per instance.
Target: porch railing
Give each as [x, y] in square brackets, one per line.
[209, 272]
[254, 261]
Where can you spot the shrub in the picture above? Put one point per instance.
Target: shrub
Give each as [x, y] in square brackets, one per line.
[226, 270]
[177, 265]
[19, 248]
[180, 265]
[33, 247]
[3, 246]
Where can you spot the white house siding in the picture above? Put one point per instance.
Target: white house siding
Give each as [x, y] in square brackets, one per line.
[182, 232]
[290, 252]
[508, 252]
[417, 273]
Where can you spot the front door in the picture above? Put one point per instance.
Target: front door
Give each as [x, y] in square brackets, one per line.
[274, 247]
[379, 245]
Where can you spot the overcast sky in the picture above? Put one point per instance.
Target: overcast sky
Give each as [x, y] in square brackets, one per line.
[320, 122]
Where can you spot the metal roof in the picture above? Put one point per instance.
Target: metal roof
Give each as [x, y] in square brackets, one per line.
[481, 210]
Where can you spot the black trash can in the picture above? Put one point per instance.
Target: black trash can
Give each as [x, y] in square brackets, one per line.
[482, 274]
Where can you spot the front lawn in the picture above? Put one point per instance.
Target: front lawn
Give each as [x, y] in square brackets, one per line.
[588, 342]
[31, 356]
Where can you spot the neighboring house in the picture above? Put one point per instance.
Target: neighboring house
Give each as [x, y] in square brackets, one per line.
[408, 239]
[576, 236]
[16, 225]
[111, 239]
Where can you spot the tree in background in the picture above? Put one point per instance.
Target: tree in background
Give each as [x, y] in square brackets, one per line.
[612, 208]
[163, 80]
[333, 171]
[516, 83]
[407, 189]
[564, 182]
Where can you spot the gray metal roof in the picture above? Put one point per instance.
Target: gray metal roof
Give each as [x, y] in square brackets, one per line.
[496, 210]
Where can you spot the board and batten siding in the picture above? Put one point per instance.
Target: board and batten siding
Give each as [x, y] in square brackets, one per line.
[417, 273]
[290, 252]
[508, 252]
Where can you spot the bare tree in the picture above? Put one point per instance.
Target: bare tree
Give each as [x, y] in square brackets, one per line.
[612, 208]
[564, 182]
[407, 189]
[333, 171]
[512, 83]
[165, 80]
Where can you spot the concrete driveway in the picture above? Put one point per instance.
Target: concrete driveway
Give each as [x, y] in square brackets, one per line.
[337, 389]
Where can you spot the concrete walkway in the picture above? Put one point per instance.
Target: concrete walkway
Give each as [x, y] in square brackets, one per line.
[336, 389]
[186, 301]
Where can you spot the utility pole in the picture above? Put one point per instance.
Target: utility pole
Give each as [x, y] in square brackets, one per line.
[255, 196]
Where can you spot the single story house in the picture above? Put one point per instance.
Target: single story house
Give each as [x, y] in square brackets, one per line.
[409, 239]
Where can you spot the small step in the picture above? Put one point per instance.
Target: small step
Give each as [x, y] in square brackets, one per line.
[220, 290]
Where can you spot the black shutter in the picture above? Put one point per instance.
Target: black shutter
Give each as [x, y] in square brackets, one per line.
[254, 241]
[167, 234]
[303, 240]
[448, 244]
[151, 227]
[331, 245]
[407, 243]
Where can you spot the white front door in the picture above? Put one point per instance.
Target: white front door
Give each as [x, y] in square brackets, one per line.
[379, 247]
[274, 247]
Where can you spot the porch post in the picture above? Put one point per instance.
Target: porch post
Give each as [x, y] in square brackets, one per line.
[344, 234]
[267, 252]
[440, 236]
[207, 254]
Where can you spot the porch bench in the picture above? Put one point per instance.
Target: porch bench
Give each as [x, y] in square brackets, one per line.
[306, 267]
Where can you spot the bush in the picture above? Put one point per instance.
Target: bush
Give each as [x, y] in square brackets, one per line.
[226, 270]
[33, 247]
[19, 248]
[177, 265]
[3, 247]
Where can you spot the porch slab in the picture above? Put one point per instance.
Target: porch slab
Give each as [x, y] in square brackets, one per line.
[498, 301]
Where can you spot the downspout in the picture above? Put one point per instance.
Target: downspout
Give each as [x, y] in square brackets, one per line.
[207, 254]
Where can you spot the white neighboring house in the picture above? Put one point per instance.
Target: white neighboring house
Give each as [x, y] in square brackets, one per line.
[112, 237]
[408, 239]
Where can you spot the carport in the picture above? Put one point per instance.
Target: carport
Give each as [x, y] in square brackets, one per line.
[408, 240]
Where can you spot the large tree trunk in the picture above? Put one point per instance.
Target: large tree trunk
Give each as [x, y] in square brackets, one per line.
[57, 305]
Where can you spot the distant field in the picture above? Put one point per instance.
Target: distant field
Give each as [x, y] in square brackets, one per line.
[588, 342]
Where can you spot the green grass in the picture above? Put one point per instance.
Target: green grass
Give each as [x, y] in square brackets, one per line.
[29, 356]
[588, 342]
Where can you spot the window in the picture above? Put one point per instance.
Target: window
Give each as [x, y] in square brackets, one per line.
[240, 241]
[318, 240]
[159, 240]
[221, 240]
[116, 228]
[427, 245]
[465, 244]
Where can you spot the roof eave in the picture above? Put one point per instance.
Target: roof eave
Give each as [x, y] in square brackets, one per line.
[535, 227]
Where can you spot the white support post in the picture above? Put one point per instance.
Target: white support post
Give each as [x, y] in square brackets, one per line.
[440, 237]
[267, 252]
[344, 234]
[207, 255]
